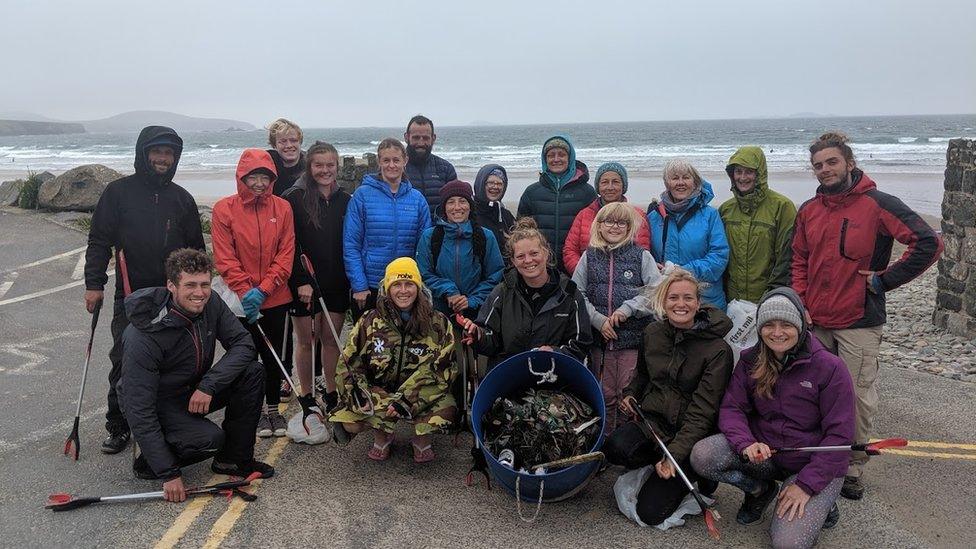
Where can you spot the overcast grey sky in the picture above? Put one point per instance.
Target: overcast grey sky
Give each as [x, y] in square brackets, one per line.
[328, 63]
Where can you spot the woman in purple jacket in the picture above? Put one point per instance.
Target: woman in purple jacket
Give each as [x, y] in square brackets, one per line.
[787, 391]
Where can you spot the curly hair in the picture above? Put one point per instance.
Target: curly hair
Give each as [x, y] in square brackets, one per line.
[833, 140]
[187, 260]
[524, 229]
[280, 126]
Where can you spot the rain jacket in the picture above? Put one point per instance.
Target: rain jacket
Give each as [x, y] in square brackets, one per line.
[430, 177]
[322, 245]
[254, 237]
[145, 215]
[812, 405]
[459, 271]
[837, 235]
[167, 356]
[759, 228]
[682, 376]
[554, 203]
[491, 215]
[380, 227]
[578, 238]
[695, 240]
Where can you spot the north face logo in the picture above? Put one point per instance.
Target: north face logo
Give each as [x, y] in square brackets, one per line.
[806, 384]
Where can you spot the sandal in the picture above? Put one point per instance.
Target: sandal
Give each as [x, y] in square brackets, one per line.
[423, 455]
[381, 453]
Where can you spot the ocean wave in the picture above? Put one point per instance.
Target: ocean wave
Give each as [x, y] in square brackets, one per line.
[939, 139]
[907, 139]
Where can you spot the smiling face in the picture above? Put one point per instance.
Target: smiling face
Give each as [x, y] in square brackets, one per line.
[680, 185]
[324, 168]
[681, 303]
[391, 161]
[494, 188]
[610, 187]
[558, 160]
[289, 146]
[614, 230]
[830, 167]
[780, 336]
[530, 259]
[403, 293]
[161, 158]
[457, 209]
[745, 178]
[192, 293]
[258, 182]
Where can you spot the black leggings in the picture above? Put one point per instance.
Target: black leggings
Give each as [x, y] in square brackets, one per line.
[272, 321]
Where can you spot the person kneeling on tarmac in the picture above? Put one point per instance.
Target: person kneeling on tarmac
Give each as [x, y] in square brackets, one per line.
[397, 365]
[169, 381]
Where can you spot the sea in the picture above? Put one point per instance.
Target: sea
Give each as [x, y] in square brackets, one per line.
[906, 155]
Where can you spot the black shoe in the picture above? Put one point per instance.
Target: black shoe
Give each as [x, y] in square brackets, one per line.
[754, 507]
[853, 488]
[331, 401]
[707, 487]
[832, 517]
[116, 442]
[140, 467]
[243, 469]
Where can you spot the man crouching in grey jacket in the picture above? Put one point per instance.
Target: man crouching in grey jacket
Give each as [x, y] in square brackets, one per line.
[170, 382]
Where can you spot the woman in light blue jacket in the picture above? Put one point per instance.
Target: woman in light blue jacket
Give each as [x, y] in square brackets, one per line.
[688, 232]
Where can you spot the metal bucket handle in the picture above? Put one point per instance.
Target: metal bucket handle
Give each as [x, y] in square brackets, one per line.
[518, 500]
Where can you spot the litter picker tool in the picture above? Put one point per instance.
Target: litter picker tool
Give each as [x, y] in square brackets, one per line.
[566, 462]
[307, 264]
[710, 514]
[66, 502]
[478, 462]
[870, 448]
[124, 269]
[307, 410]
[73, 441]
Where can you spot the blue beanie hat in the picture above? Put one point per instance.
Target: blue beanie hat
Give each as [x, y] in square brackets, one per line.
[615, 167]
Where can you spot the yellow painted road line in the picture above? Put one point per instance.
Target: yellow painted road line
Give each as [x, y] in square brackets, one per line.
[185, 519]
[226, 522]
[942, 445]
[943, 455]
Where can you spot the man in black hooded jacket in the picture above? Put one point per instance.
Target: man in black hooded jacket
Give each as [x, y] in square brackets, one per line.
[143, 217]
[170, 383]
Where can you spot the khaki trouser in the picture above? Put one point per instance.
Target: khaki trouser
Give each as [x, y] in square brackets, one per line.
[858, 348]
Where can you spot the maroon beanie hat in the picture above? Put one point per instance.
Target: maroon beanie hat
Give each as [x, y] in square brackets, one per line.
[457, 188]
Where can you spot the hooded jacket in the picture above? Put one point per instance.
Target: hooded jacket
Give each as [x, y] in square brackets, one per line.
[379, 227]
[578, 238]
[812, 405]
[459, 271]
[145, 215]
[553, 205]
[682, 376]
[286, 176]
[322, 245]
[759, 228]
[837, 235]
[168, 355]
[429, 177]
[695, 240]
[493, 216]
[254, 236]
[510, 327]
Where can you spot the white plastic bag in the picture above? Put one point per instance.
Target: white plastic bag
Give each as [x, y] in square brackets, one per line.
[743, 333]
[628, 485]
[219, 287]
[318, 432]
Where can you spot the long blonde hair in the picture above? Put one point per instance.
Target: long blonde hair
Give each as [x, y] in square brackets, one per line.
[615, 211]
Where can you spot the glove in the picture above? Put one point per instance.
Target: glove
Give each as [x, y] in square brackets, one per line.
[252, 302]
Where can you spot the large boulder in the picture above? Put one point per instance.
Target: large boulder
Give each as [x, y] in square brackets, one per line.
[77, 189]
[10, 192]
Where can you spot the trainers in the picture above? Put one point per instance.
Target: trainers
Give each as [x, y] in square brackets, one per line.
[320, 386]
[116, 442]
[285, 392]
[243, 469]
[754, 507]
[278, 424]
[853, 488]
[833, 516]
[265, 428]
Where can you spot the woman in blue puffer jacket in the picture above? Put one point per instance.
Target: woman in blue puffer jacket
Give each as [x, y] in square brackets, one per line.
[384, 221]
[688, 232]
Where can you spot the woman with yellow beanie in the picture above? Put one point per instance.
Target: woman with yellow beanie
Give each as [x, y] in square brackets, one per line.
[397, 365]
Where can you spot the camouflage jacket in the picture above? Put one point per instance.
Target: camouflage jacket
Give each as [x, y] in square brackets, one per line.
[379, 355]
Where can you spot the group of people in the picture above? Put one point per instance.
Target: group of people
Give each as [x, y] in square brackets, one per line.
[438, 275]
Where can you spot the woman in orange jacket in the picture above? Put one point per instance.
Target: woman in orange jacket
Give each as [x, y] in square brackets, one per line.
[254, 247]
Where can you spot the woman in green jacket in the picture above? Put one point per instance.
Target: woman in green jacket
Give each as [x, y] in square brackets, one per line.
[759, 227]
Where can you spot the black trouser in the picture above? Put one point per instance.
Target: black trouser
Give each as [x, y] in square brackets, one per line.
[194, 438]
[272, 322]
[357, 312]
[114, 420]
[658, 498]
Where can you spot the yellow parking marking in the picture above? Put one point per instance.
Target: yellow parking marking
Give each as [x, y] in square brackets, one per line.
[942, 455]
[185, 519]
[942, 445]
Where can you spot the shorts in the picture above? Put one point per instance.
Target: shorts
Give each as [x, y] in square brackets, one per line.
[335, 302]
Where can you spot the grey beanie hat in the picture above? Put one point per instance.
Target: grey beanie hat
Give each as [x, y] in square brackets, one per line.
[779, 307]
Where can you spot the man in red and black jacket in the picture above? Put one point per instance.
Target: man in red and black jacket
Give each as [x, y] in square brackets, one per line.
[841, 253]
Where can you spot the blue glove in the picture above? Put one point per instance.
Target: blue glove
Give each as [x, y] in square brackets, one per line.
[252, 301]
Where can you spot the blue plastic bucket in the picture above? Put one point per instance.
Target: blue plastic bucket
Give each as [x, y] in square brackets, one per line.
[514, 376]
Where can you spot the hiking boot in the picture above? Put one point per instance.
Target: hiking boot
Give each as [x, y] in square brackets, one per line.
[265, 428]
[116, 442]
[285, 392]
[832, 517]
[243, 469]
[853, 488]
[278, 424]
[141, 469]
[754, 507]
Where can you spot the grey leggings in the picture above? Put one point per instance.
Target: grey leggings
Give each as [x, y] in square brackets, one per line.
[714, 459]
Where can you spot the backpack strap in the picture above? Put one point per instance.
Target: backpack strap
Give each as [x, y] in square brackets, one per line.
[436, 243]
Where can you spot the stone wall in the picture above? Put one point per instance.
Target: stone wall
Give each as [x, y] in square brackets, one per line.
[956, 298]
[353, 169]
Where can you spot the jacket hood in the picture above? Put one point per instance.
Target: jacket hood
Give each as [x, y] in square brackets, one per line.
[150, 310]
[707, 194]
[710, 323]
[462, 230]
[479, 181]
[373, 180]
[152, 136]
[862, 184]
[749, 157]
[570, 174]
[254, 159]
[794, 298]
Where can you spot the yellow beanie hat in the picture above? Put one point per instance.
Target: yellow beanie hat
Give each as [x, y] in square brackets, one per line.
[402, 268]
